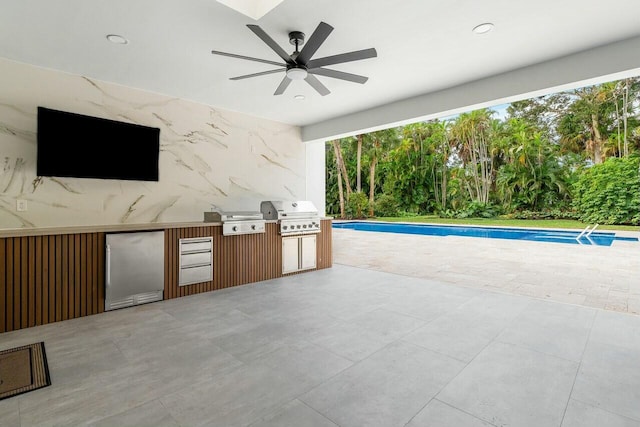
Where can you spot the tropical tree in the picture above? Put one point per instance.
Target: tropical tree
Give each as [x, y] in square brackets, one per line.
[625, 94]
[332, 200]
[441, 146]
[471, 135]
[465, 165]
[342, 175]
[589, 121]
[359, 163]
[408, 176]
[378, 144]
[531, 175]
[595, 121]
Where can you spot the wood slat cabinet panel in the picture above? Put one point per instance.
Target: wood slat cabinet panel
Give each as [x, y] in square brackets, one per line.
[45, 279]
[237, 260]
[324, 245]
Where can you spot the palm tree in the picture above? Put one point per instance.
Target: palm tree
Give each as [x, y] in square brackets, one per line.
[378, 145]
[588, 120]
[471, 136]
[530, 176]
[342, 176]
[440, 148]
[359, 163]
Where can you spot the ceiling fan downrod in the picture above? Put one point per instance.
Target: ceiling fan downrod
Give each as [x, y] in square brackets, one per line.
[296, 38]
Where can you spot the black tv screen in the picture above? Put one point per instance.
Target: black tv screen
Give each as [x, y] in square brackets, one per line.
[79, 146]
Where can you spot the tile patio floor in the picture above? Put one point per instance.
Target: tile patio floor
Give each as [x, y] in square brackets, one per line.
[591, 276]
[346, 347]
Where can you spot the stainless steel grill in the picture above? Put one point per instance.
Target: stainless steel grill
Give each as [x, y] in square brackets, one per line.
[294, 217]
[240, 222]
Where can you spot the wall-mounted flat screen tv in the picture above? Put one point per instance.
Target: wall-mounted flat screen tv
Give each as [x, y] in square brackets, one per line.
[79, 146]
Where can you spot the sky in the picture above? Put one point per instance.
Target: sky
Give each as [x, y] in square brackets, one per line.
[501, 111]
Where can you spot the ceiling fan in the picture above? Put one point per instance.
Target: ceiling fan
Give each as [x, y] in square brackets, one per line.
[299, 65]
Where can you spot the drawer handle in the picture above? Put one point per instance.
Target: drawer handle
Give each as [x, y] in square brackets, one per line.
[198, 251]
[195, 266]
[203, 240]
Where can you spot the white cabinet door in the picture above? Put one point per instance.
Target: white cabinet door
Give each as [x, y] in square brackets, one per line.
[290, 255]
[308, 252]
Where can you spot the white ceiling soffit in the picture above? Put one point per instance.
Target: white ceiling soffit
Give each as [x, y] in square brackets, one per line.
[425, 50]
[602, 64]
[254, 9]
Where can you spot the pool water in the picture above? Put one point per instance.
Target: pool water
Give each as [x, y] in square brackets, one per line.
[599, 238]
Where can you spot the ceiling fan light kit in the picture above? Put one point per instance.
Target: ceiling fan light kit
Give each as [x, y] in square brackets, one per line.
[297, 73]
[299, 65]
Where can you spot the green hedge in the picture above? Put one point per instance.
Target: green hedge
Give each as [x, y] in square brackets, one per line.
[545, 214]
[609, 193]
[386, 205]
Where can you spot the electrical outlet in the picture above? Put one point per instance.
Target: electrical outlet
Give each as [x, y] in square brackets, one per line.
[21, 205]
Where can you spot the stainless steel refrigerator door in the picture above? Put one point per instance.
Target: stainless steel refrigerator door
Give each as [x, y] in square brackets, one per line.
[134, 268]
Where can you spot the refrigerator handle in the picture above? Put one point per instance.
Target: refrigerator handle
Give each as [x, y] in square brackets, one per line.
[108, 266]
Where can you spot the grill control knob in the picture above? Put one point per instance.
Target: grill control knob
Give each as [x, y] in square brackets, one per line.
[253, 227]
[298, 226]
[235, 228]
[284, 227]
[304, 226]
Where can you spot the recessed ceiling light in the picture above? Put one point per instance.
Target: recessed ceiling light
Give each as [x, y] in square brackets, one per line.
[483, 28]
[115, 38]
[299, 97]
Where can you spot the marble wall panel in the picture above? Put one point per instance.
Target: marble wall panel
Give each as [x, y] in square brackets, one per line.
[209, 158]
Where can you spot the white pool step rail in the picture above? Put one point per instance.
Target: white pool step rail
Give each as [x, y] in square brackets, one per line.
[586, 232]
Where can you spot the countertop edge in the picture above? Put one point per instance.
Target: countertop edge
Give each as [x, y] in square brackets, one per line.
[48, 231]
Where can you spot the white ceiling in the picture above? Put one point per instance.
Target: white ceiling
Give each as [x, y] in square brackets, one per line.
[423, 46]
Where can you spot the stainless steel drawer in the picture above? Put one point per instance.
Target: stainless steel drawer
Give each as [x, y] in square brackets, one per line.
[189, 275]
[196, 258]
[195, 245]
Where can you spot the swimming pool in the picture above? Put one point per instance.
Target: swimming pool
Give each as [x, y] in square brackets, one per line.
[599, 238]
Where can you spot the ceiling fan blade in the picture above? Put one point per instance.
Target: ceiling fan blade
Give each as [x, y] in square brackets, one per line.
[315, 83]
[271, 43]
[282, 86]
[248, 58]
[343, 57]
[318, 37]
[263, 73]
[339, 75]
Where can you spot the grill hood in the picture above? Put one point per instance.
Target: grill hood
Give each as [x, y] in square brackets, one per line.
[288, 209]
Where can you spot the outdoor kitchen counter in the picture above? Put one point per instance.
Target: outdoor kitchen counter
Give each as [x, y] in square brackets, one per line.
[57, 273]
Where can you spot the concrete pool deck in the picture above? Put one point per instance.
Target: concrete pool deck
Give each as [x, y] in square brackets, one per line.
[606, 277]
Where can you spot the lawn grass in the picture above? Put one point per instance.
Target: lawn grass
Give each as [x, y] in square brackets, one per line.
[507, 222]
